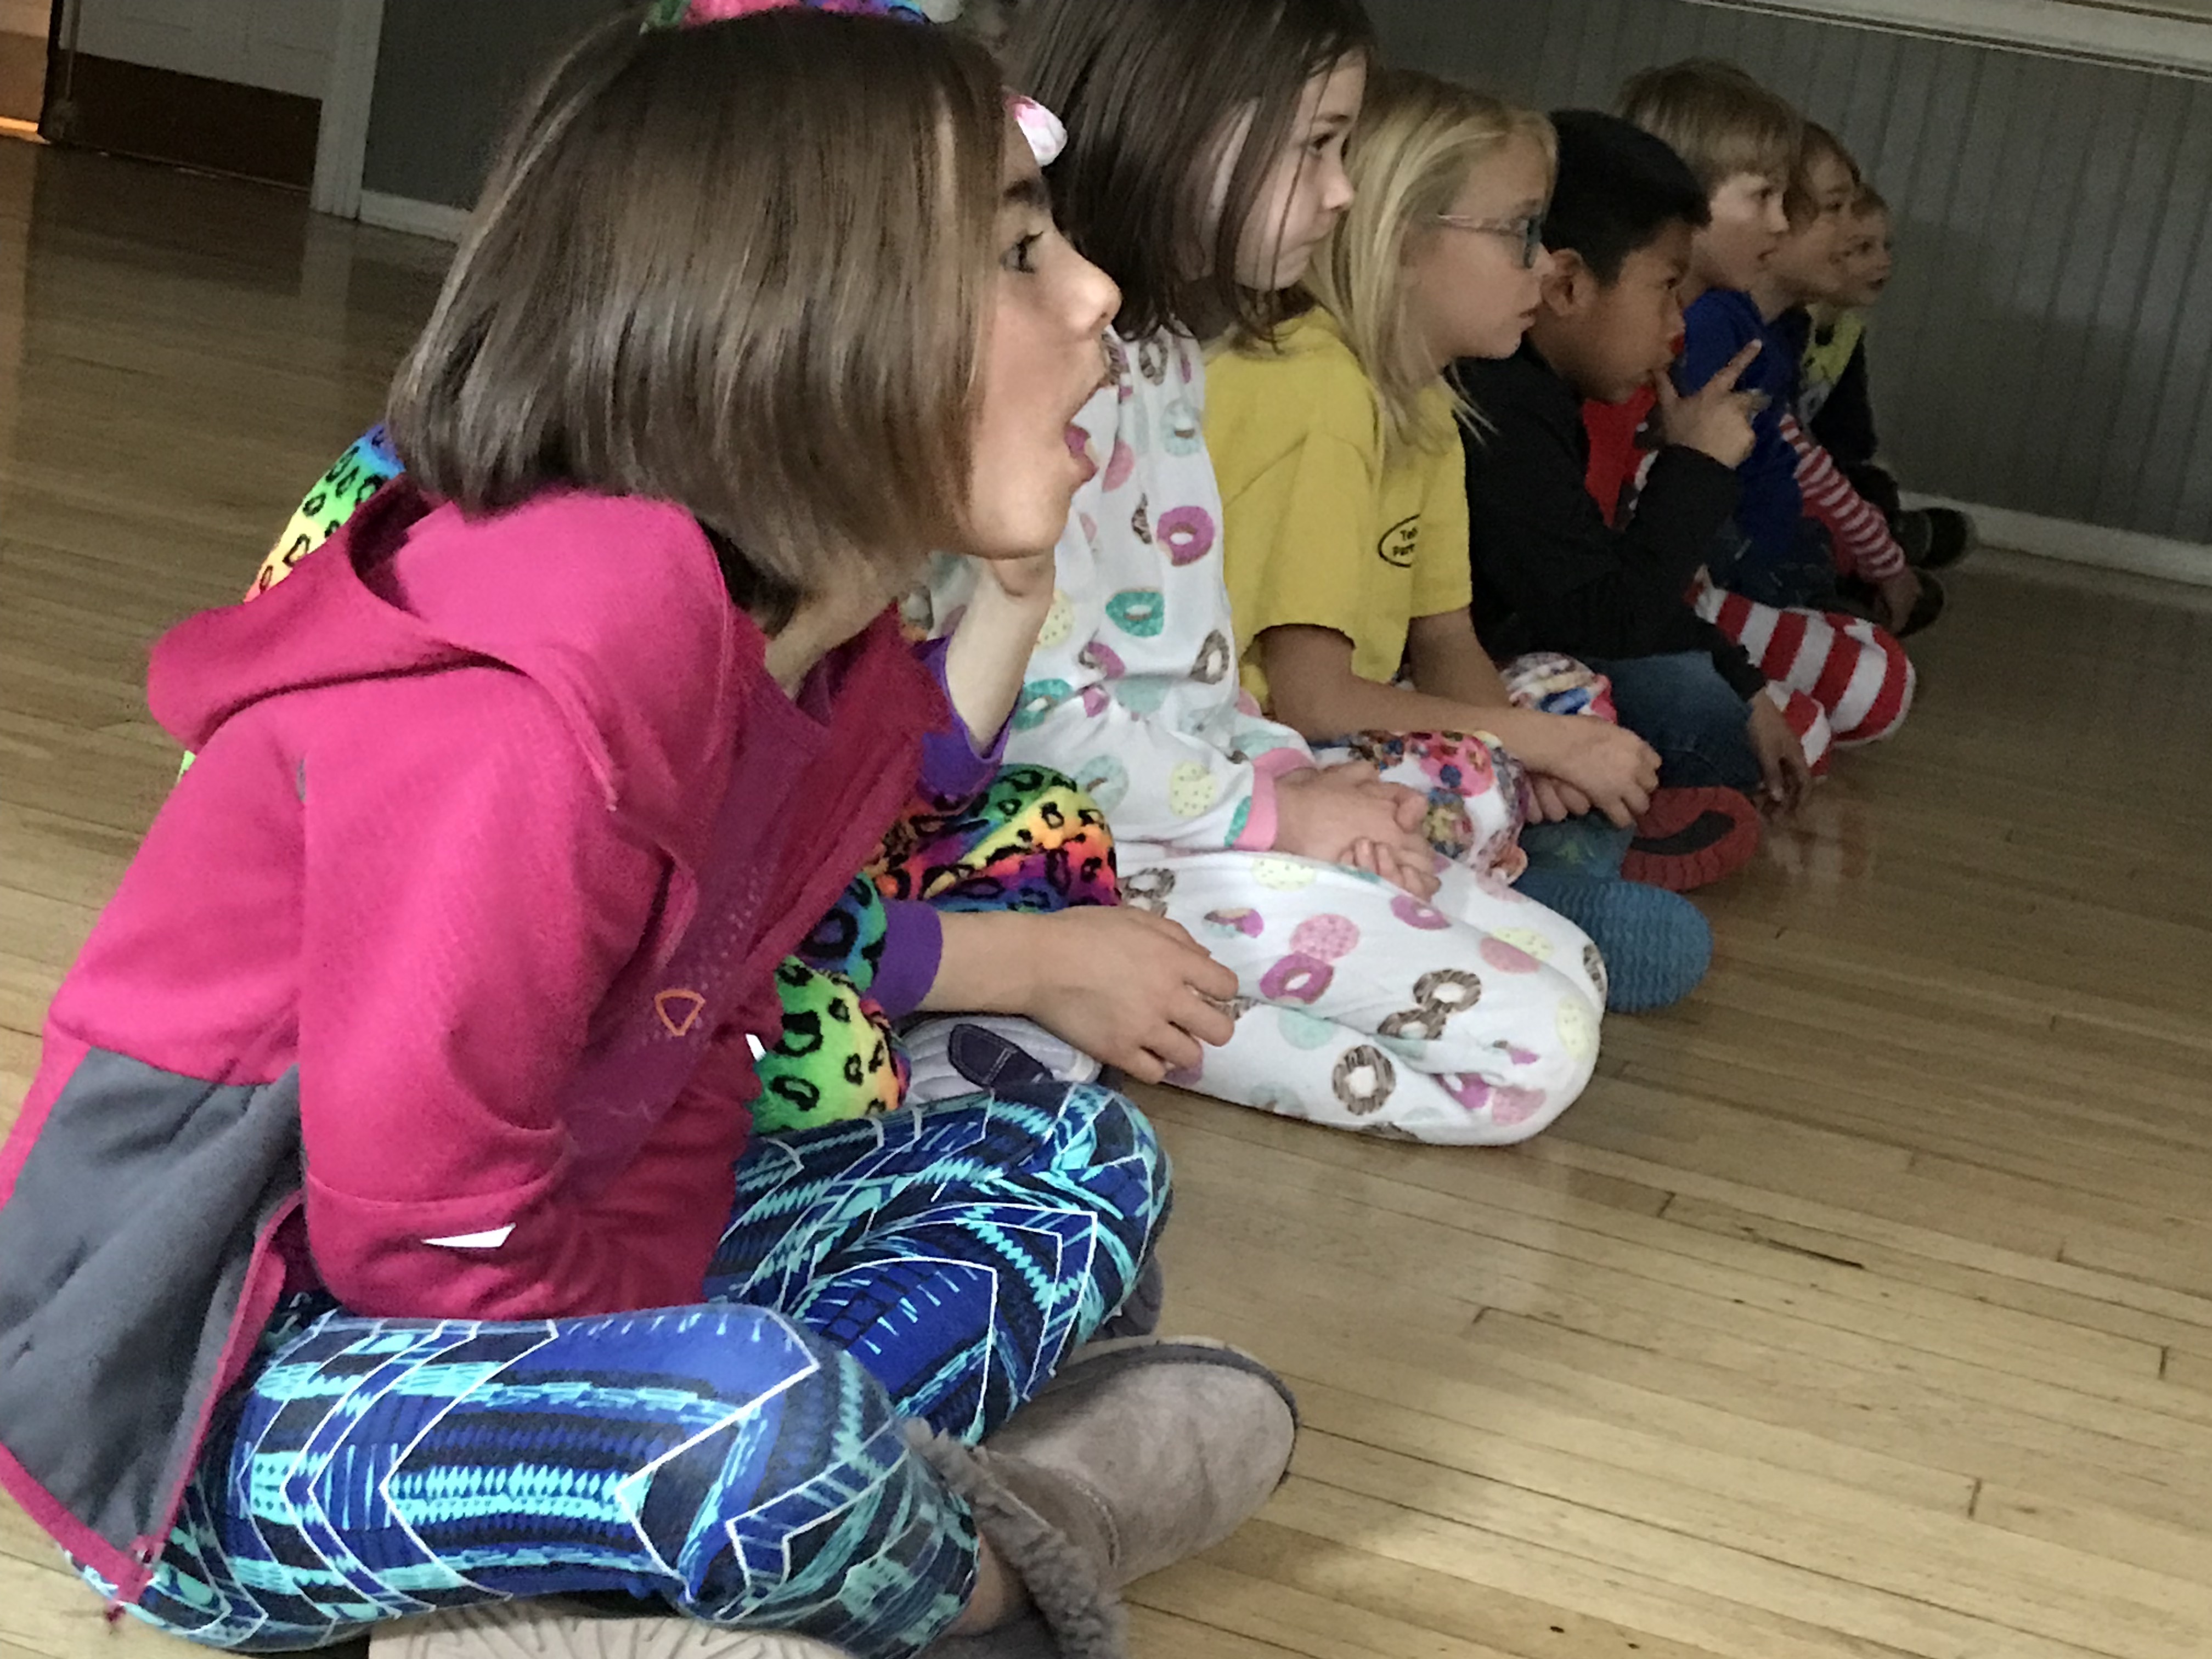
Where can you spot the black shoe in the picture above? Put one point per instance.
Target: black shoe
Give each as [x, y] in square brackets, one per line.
[1935, 537]
[1927, 609]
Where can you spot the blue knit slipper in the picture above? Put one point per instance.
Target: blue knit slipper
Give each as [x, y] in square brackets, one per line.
[1656, 947]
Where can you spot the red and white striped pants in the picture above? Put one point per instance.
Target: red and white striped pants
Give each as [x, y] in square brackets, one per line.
[1854, 671]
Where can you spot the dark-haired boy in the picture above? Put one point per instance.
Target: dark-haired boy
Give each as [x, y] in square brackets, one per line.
[1551, 573]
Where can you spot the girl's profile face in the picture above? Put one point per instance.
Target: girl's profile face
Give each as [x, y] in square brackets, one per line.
[1471, 287]
[1043, 355]
[1305, 190]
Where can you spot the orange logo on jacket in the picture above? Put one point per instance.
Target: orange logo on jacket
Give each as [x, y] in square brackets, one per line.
[679, 1010]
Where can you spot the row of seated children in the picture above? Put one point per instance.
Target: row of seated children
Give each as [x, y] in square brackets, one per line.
[1716, 249]
[456, 1111]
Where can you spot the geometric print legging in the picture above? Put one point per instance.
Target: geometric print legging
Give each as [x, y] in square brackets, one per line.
[739, 1461]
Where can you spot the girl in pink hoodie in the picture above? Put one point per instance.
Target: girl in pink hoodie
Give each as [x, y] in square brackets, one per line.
[381, 1234]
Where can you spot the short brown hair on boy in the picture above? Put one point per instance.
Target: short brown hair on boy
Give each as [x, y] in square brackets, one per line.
[1817, 144]
[1718, 119]
[742, 268]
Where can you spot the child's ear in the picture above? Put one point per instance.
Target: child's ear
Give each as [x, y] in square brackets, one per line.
[1571, 284]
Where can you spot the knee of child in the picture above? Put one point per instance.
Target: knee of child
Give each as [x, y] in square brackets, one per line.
[1117, 1135]
[1550, 1056]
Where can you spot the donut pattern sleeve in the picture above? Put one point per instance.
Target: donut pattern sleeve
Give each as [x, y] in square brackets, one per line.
[1132, 688]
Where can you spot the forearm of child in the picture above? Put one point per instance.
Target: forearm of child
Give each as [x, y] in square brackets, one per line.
[1128, 988]
[1315, 693]
[989, 652]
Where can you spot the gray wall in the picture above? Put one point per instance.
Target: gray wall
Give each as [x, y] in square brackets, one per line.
[448, 72]
[2047, 345]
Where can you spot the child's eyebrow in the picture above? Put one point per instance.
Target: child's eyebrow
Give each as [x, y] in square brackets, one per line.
[1028, 192]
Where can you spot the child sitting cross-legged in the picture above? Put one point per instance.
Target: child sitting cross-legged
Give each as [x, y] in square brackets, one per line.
[1872, 573]
[1835, 398]
[1551, 575]
[1773, 571]
[1343, 482]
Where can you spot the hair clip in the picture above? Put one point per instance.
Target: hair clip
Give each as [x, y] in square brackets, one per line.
[1047, 137]
[690, 14]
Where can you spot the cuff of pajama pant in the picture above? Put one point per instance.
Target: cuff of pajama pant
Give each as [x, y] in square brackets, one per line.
[1263, 821]
[913, 950]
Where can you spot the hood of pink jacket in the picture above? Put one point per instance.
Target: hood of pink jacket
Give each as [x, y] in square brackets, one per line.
[623, 647]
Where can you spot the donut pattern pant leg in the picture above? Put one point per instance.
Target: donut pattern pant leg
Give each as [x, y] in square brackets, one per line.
[1472, 1020]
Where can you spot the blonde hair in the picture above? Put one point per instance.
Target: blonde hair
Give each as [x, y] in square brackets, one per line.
[696, 274]
[1719, 120]
[1418, 142]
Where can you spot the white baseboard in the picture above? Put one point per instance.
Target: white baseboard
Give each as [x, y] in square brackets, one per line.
[25, 17]
[433, 219]
[2089, 545]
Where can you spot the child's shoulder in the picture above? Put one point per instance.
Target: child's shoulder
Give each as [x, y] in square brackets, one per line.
[1725, 311]
[1305, 380]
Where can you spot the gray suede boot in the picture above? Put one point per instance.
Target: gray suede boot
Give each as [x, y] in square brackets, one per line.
[1139, 1454]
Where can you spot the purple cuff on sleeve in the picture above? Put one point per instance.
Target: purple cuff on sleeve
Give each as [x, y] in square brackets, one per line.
[913, 946]
[1261, 822]
[953, 767]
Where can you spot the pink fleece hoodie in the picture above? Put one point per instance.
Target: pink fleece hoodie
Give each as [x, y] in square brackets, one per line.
[496, 832]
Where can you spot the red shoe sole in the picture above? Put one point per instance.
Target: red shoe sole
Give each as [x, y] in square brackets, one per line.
[1692, 838]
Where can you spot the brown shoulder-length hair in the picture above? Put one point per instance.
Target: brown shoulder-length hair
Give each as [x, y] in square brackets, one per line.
[1149, 90]
[741, 268]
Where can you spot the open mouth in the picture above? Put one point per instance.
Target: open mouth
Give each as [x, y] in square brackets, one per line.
[1078, 450]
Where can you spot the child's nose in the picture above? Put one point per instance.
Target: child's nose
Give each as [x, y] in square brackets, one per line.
[1336, 186]
[1097, 298]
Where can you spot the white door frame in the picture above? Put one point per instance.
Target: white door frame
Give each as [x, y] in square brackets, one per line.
[342, 140]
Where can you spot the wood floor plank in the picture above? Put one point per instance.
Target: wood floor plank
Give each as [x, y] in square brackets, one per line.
[1802, 1285]
[1856, 1586]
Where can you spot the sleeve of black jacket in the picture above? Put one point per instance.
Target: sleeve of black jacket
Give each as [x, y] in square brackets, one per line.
[1543, 552]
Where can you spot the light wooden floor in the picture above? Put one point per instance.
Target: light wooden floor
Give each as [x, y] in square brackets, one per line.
[1862, 1308]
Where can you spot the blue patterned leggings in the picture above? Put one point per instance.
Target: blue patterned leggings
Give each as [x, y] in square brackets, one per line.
[741, 1460]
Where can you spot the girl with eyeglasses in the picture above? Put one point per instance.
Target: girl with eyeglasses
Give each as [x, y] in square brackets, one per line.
[1346, 531]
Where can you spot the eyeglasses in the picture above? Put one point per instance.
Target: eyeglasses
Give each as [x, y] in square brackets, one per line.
[1528, 230]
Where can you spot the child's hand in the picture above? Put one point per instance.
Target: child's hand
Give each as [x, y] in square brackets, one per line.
[1556, 802]
[1391, 864]
[1610, 765]
[1716, 420]
[1131, 989]
[1323, 812]
[1900, 594]
[1781, 757]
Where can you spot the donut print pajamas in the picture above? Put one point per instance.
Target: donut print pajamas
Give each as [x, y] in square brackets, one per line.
[1470, 1020]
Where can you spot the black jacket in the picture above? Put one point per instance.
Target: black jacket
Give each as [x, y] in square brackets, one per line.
[1550, 573]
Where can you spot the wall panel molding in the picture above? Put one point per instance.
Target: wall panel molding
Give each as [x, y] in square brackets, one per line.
[2046, 348]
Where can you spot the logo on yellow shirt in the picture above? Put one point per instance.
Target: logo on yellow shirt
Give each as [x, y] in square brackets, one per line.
[1399, 541]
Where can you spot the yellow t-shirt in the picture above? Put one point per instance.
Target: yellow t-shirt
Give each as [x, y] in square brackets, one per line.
[1316, 529]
